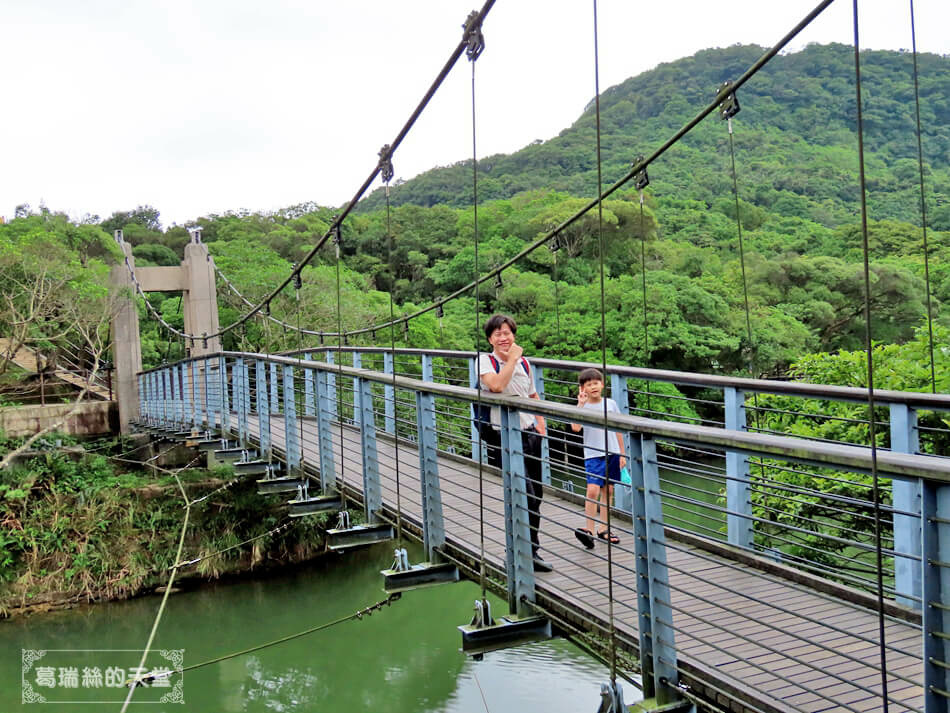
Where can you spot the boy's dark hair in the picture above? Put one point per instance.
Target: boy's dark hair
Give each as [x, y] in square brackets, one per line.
[496, 321]
[589, 375]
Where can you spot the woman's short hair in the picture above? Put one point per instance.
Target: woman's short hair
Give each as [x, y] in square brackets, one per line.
[497, 321]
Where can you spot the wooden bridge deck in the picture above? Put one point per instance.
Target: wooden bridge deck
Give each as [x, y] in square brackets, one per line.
[737, 628]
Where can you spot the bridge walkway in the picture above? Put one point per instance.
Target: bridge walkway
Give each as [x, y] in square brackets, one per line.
[772, 642]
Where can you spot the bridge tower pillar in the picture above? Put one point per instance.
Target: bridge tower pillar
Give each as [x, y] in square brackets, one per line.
[194, 278]
[126, 343]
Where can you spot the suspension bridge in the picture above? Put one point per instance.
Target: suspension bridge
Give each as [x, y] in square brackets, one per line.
[715, 597]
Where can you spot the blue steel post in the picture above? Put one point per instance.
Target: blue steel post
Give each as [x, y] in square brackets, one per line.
[661, 614]
[738, 493]
[176, 395]
[224, 408]
[389, 393]
[208, 401]
[190, 389]
[372, 491]
[241, 398]
[263, 410]
[936, 595]
[331, 389]
[274, 399]
[213, 386]
[518, 555]
[473, 383]
[433, 526]
[357, 364]
[187, 402]
[641, 565]
[167, 405]
[426, 368]
[620, 393]
[143, 400]
[545, 443]
[291, 435]
[906, 492]
[327, 467]
[309, 390]
[196, 400]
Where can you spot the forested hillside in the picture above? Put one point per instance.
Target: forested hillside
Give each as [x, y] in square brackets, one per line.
[674, 291]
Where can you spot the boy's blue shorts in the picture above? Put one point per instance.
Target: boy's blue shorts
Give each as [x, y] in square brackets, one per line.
[595, 469]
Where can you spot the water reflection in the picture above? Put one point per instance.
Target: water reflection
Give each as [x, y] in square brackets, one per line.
[402, 659]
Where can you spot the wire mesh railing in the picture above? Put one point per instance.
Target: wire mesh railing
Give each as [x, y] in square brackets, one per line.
[758, 551]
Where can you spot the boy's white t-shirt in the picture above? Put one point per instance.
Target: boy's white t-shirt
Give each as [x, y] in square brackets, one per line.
[594, 435]
[521, 384]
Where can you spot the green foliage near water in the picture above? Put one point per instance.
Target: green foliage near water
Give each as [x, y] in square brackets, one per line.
[83, 527]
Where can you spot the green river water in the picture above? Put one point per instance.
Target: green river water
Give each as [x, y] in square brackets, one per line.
[402, 659]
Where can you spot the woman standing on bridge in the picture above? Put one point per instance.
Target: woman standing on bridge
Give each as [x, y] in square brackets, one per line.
[506, 371]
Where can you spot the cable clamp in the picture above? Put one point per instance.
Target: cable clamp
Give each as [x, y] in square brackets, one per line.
[337, 232]
[298, 281]
[473, 36]
[405, 329]
[729, 105]
[439, 311]
[498, 282]
[640, 179]
[386, 163]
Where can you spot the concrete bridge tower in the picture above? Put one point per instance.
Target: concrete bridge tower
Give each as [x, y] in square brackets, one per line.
[194, 278]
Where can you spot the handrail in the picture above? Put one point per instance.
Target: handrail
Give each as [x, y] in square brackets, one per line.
[796, 449]
[929, 401]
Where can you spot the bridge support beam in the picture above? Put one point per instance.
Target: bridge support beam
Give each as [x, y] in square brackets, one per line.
[433, 525]
[545, 445]
[936, 595]
[327, 465]
[662, 646]
[907, 496]
[372, 490]
[519, 559]
[738, 492]
[263, 410]
[291, 434]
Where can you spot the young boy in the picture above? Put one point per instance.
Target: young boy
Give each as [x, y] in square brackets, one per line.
[602, 468]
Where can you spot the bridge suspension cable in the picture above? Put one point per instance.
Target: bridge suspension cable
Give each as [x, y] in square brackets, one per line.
[923, 202]
[869, 346]
[636, 171]
[636, 168]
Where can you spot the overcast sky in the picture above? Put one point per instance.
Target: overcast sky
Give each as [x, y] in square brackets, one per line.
[215, 105]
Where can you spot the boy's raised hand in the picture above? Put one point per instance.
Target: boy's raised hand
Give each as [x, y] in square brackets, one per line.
[582, 397]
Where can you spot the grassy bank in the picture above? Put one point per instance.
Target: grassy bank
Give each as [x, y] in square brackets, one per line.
[82, 527]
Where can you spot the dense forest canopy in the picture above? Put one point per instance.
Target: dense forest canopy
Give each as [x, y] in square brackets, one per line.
[674, 293]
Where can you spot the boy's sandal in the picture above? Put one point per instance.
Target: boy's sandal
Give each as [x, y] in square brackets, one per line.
[585, 537]
[603, 535]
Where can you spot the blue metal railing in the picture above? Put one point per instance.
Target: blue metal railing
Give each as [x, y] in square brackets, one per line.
[740, 479]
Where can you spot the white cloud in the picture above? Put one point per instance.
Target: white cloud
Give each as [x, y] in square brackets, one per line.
[206, 106]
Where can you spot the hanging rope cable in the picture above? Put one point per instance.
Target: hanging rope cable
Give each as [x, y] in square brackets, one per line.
[603, 352]
[641, 181]
[168, 589]
[337, 240]
[338, 220]
[386, 171]
[555, 248]
[634, 170]
[869, 346]
[923, 203]
[366, 611]
[476, 43]
[727, 110]
[273, 531]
